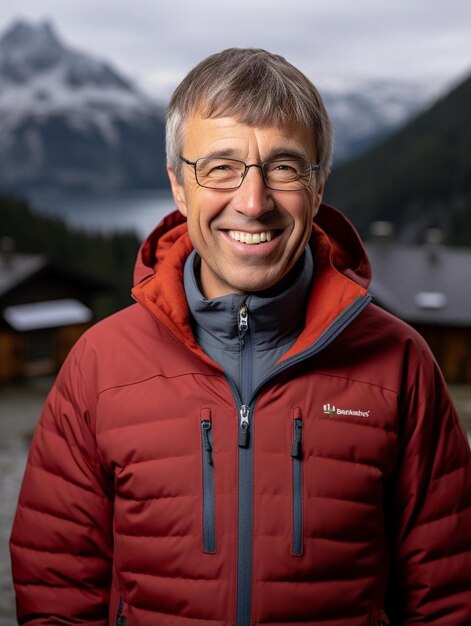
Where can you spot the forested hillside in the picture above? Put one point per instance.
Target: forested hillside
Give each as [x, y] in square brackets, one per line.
[419, 177]
[108, 258]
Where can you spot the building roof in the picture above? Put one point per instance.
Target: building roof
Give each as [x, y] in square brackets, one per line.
[18, 268]
[48, 314]
[426, 284]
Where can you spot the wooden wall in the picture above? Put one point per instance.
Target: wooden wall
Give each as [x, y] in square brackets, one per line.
[452, 349]
[14, 362]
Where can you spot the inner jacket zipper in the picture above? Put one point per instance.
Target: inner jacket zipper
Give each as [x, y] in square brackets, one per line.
[246, 403]
[245, 477]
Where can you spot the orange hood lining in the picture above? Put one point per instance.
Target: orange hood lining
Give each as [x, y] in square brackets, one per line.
[163, 295]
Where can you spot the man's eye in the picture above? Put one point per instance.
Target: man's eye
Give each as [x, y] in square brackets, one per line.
[280, 167]
[283, 170]
[284, 167]
[220, 169]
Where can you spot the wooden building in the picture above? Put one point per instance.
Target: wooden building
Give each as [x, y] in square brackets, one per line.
[43, 311]
[428, 286]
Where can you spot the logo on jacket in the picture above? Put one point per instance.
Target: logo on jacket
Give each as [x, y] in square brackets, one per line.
[331, 410]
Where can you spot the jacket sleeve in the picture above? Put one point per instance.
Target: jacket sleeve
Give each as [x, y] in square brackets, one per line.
[432, 503]
[61, 542]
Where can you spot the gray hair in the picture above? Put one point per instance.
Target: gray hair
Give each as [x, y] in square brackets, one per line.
[255, 87]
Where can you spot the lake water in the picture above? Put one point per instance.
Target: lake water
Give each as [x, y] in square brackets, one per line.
[139, 211]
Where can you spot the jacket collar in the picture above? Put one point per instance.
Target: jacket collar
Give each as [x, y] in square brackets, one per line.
[276, 319]
[341, 274]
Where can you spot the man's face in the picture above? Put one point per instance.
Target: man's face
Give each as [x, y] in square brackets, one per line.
[214, 215]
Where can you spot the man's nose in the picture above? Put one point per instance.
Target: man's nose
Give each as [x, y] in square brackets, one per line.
[253, 198]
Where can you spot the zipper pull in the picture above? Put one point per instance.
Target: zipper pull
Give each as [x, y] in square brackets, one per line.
[243, 440]
[206, 427]
[243, 323]
[296, 448]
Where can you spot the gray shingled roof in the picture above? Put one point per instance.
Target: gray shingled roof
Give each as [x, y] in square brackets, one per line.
[422, 284]
[18, 269]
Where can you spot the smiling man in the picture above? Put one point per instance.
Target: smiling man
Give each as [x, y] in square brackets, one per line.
[248, 241]
[254, 441]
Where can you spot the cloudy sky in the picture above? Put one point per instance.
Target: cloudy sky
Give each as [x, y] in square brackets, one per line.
[335, 42]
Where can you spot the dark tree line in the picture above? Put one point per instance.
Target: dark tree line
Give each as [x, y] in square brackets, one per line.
[421, 175]
[107, 258]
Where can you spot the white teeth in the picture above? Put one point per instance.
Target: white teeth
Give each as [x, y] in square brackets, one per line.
[251, 238]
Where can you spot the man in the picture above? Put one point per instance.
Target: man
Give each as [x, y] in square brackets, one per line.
[253, 442]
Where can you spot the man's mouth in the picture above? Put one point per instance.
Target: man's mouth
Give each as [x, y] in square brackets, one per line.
[251, 238]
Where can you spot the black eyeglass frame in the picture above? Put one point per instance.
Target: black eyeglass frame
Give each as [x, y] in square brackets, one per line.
[314, 167]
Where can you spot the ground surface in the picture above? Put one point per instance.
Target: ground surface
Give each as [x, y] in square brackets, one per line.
[19, 411]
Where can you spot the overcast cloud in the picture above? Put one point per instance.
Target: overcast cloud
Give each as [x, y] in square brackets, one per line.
[334, 41]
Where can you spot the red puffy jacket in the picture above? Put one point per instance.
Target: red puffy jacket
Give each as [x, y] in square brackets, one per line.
[340, 495]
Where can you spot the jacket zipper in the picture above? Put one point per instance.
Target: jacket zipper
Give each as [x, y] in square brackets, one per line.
[296, 455]
[209, 515]
[245, 475]
[121, 620]
[246, 403]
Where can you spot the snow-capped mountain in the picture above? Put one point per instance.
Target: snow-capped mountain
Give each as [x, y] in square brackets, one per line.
[71, 120]
[368, 111]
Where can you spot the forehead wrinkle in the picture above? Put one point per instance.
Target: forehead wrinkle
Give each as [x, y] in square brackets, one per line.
[275, 154]
[216, 137]
[221, 153]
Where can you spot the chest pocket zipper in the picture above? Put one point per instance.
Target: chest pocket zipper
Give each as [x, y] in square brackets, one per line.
[121, 619]
[379, 617]
[209, 514]
[297, 469]
[383, 620]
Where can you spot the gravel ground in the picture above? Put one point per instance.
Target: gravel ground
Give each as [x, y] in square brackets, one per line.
[19, 412]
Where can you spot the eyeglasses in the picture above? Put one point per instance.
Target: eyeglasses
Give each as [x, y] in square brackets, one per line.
[279, 174]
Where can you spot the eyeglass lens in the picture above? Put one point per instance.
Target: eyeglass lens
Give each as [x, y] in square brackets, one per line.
[282, 174]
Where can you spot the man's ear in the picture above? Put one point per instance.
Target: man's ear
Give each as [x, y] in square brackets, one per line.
[319, 193]
[177, 191]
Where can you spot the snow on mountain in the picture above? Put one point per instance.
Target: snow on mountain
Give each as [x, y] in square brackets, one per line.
[40, 76]
[70, 119]
[367, 111]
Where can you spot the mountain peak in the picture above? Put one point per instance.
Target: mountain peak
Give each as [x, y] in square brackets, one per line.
[67, 116]
[31, 50]
[27, 48]
[24, 33]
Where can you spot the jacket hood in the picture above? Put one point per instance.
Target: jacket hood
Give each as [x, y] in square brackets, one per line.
[341, 274]
[347, 255]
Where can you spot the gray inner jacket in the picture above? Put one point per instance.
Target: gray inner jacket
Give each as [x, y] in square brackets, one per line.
[274, 321]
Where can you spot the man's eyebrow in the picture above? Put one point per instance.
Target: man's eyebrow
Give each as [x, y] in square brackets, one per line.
[288, 153]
